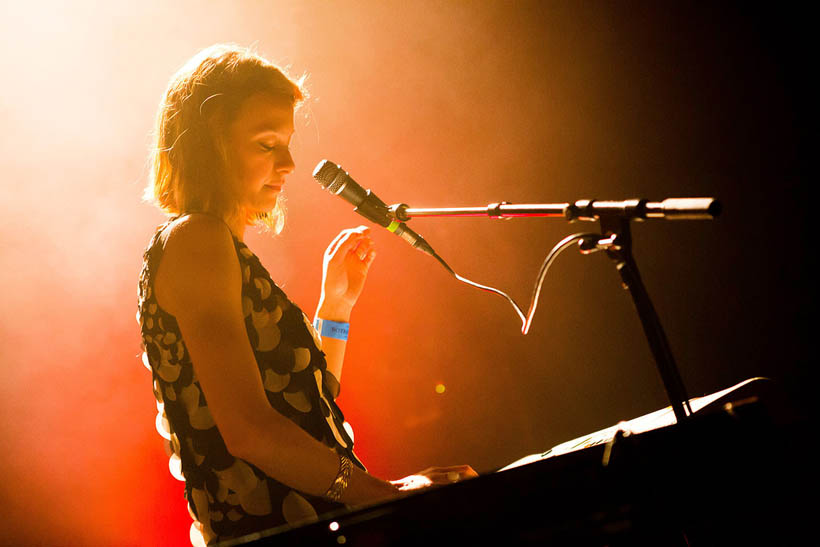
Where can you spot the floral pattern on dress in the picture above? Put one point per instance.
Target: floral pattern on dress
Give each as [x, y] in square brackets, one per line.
[227, 496]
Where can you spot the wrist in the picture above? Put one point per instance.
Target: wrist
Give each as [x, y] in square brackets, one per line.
[365, 489]
[331, 329]
[334, 311]
[340, 483]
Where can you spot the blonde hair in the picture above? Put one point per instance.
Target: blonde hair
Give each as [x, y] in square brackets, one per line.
[189, 158]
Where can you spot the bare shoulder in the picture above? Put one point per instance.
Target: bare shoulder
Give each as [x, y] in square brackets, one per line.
[198, 261]
[197, 230]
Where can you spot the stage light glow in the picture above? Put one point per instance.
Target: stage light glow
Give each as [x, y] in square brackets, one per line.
[422, 105]
[333, 526]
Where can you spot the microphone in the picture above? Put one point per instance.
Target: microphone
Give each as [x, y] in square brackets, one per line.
[335, 180]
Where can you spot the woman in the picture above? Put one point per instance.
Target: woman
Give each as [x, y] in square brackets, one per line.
[245, 385]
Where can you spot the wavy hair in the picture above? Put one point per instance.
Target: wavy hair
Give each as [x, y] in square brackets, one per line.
[189, 160]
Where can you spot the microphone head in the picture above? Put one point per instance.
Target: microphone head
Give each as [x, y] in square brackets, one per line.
[326, 174]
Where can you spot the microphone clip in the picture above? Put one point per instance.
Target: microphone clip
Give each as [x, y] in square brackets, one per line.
[374, 210]
[399, 211]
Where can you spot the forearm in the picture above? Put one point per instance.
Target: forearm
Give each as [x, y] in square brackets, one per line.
[345, 266]
[290, 455]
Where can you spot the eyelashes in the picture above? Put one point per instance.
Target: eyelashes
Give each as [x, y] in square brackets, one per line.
[274, 147]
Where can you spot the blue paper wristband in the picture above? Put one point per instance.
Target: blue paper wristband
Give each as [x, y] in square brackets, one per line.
[331, 329]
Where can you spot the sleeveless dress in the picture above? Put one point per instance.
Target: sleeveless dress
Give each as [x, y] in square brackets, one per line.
[227, 496]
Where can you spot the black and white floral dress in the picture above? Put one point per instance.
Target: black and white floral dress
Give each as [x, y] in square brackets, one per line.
[227, 496]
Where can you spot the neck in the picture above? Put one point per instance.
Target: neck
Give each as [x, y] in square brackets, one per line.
[237, 225]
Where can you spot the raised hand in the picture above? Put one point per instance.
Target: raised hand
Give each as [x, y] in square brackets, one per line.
[346, 262]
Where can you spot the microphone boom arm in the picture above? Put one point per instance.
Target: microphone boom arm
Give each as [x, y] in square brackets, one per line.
[585, 209]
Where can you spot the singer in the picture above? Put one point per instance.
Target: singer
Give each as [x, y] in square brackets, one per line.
[245, 384]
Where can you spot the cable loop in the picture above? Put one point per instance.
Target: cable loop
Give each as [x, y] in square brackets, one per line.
[526, 320]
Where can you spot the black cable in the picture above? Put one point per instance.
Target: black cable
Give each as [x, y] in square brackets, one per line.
[526, 321]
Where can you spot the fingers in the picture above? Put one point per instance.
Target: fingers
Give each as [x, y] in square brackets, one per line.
[344, 234]
[413, 482]
[335, 242]
[447, 475]
[370, 257]
[350, 243]
[346, 239]
[434, 476]
[469, 472]
[364, 251]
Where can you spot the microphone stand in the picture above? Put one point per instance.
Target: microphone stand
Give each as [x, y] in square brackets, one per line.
[616, 240]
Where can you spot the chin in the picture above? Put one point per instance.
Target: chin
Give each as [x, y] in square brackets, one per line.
[266, 206]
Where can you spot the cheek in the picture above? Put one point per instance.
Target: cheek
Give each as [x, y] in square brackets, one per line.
[250, 169]
[261, 166]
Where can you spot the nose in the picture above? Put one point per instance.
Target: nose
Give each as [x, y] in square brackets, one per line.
[284, 162]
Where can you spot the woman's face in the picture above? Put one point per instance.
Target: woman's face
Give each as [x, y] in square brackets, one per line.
[258, 140]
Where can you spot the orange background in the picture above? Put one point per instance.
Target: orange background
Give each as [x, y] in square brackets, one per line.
[431, 104]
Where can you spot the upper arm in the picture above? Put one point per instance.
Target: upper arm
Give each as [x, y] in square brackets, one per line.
[199, 282]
